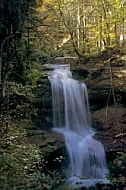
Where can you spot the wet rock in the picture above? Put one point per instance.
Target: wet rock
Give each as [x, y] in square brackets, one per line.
[96, 73]
[80, 73]
[63, 60]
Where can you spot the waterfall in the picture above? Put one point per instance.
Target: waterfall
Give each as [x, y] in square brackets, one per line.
[72, 119]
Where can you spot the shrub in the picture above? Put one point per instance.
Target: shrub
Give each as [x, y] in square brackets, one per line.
[118, 171]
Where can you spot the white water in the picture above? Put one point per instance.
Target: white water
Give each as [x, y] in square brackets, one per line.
[72, 119]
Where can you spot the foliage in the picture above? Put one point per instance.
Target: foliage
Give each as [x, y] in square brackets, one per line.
[32, 76]
[17, 157]
[20, 100]
[22, 164]
[44, 56]
[21, 90]
[118, 171]
[91, 26]
[12, 18]
[40, 180]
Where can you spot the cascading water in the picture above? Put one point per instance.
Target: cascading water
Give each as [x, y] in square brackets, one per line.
[72, 119]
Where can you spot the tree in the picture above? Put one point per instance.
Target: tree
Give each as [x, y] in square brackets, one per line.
[13, 14]
[93, 26]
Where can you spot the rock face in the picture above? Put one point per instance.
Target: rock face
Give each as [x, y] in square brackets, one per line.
[106, 84]
[110, 126]
[63, 60]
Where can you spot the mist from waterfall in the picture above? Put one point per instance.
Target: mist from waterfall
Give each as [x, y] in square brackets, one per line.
[72, 119]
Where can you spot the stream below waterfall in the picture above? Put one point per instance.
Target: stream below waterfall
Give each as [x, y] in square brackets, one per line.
[72, 118]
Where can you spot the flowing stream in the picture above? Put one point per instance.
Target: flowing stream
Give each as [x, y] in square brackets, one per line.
[72, 119]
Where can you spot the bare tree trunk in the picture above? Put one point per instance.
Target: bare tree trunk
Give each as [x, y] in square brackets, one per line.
[121, 35]
[116, 34]
[0, 82]
[4, 77]
[1, 89]
[78, 25]
[107, 43]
